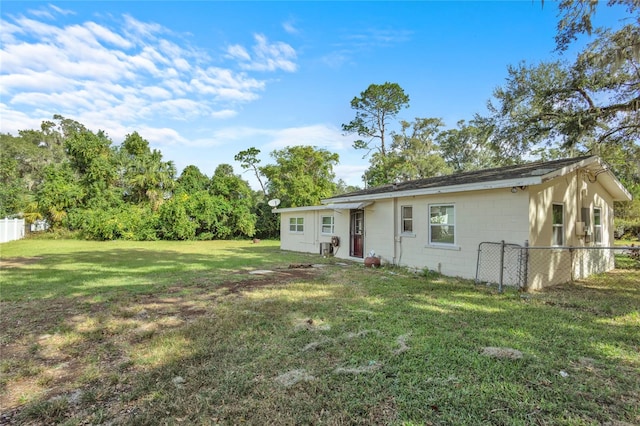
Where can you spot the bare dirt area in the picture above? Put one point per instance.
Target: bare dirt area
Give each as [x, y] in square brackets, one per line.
[18, 262]
[59, 350]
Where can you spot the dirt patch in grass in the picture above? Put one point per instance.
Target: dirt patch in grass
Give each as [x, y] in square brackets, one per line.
[292, 377]
[505, 353]
[54, 347]
[18, 262]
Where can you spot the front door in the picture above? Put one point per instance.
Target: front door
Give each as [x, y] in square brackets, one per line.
[356, 233]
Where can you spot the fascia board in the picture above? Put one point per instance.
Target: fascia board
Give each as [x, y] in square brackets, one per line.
[300, 209]
[616, 189]
[613, 185]
[569, 169]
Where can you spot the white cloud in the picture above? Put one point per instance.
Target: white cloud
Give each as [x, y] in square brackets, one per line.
[289, 27]
[50, 11]
[11, 120]
[223, 114]
[162, 136]
[238, 52]
[62, 11]
[350, 173]
[127, 75]
[266, 56]
[319, 135]
[35, 81]
[108, 36]
[133, 27]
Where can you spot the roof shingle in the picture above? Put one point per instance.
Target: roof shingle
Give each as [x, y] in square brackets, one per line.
[526, 170]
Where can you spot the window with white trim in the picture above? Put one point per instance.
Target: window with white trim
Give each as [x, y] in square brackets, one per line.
[442, 224]
[407, 219]
[557, 213]
[296, 224]
[597, 225]
[327, 224]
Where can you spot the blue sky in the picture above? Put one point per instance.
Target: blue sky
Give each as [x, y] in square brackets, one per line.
[204, 80]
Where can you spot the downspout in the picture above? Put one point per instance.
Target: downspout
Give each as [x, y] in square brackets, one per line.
[578, 194]
[395, 230]
[316, 227]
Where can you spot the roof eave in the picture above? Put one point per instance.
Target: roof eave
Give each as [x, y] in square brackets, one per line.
[477, 186]
[615, 188]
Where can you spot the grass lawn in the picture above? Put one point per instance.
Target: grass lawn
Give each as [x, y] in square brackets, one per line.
[181, 333]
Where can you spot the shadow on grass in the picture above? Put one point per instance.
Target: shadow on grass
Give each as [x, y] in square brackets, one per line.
[90, 273]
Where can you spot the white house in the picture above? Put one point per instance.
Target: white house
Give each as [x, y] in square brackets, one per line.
[438, 223]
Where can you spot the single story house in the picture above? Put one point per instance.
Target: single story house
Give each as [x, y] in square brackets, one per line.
[439, 223]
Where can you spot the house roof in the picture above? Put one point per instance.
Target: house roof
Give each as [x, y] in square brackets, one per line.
[333, 206]
[520, 175]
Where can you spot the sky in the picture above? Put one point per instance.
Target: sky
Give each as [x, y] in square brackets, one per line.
[204, 80]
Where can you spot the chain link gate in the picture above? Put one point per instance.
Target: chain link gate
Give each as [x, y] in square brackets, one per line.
[502, 263]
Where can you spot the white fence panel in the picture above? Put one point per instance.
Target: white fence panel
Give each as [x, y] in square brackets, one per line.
[11, 229]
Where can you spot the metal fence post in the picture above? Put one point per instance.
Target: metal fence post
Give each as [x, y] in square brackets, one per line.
[501, 266]
[571, 251]
[477, 281]
[525, 269]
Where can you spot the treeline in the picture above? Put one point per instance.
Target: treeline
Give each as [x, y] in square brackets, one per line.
[79, 181]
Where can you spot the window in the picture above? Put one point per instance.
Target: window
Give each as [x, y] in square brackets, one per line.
[296, 224]
[597, 225]
[327, 224]
[558, 225]
[442, 224]
[407, 219]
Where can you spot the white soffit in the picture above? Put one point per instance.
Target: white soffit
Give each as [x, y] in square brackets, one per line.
[349, 206]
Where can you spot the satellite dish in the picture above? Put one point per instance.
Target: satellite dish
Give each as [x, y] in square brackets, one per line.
[274, 203]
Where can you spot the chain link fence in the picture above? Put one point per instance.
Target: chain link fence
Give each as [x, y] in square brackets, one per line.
[525, 267]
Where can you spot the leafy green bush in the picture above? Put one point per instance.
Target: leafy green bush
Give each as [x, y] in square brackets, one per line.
[174, 223]
[128, 222]
[627, 228]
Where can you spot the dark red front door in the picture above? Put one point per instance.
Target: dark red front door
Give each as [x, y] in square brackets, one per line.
[356, 233]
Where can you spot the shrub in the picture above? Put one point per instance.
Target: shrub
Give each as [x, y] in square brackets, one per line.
[627, 228]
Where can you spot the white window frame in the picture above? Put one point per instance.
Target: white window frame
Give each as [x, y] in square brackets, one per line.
[296, 225]
[597, 227]
[331, 225]
[404, 219]
[431, 226]
[555, 226]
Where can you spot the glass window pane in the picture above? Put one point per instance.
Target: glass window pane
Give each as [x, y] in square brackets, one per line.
[442, 224]
[442, 234]
[557, 236]
[557, 214]
[407, 212]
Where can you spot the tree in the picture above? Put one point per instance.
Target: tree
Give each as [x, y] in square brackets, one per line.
[92, 158]
[570, 105]
[414, 154]
[249, 160]
[468, 147]
[13, 190]
[302, 175]
[575, 19]
[60, 193]
[237, 193]
[374, 108]
[147, 179]
[343, 188]
[192, 180]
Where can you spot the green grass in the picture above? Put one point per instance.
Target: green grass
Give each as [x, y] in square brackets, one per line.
[71, 268]
[152, 332]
